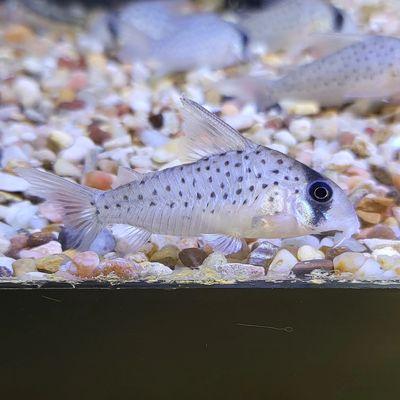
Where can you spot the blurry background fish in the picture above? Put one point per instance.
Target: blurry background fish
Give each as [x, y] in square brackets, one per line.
[292, 24]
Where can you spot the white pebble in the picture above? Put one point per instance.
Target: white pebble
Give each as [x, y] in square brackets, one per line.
[20, 215]
[155, 269]
[281, 265]
[153, 138]
[301, 129]
[285, 137]
[369, 270]
[4, 245]
[65, 168]
[27, 91]
[349, 262]
[11, 183]
[307, 252]
[7, 263]
[213, 260]
[341, 159]
[240, 272]
[78, 151]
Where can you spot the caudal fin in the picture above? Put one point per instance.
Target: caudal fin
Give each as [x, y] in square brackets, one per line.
[76, 203]
[256, 89]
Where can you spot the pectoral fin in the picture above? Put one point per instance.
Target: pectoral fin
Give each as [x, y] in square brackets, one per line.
[224, 244]
[135, 237]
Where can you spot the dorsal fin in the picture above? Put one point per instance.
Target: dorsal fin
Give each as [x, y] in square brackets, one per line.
[125, 175]
[207, 134]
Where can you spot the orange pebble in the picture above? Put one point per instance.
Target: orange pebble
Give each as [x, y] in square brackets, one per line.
[99, 180]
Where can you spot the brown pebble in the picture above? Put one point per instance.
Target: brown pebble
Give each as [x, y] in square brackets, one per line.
[332, 252]
[98, 180]
[369, 217]
[23, 266]
[168, 255]
[156, 120]
[192, 257]
[377, 231]
[72, 105]
[98, 135]
[18, 34]
[51, 264]
[17, 243]
[381, 175]
[39, 238]
[305, 267]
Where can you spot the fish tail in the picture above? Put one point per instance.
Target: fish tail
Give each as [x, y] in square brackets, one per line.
[247, 89]
[75, 202]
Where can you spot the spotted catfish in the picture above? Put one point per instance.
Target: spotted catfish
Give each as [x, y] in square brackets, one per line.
[228, 188]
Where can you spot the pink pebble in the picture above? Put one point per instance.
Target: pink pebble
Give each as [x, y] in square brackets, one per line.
[86, 263]
[78, 80]
[44, 250]
[50, 211]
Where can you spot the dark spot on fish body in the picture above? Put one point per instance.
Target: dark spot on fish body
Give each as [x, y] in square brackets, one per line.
[276, 183]
[280, 161]
[198, 196]
[186, 204]
[210, 179]
[183, 180]
[251, 188]
[140, 197]
[263, 161]
[168, 188]
[225, 196]
[218, 170]
[152, 204]
[194, 182]
[207, 168]
[227, 174]
[239, 151]
[118, 205]
[226, 163]
[212, 194]
[125, 198]
[238, 191]
[244, 202]
[141, 182]
[258, 175]
[238, 165]
[286, 178]
[154, 192]
[106, 207]
[171, 205]
[222, 185]
[271, 199]
[92, 203]
[240, 179]
[264, 185]
[246, 157]
[275, 171]
[198, 169]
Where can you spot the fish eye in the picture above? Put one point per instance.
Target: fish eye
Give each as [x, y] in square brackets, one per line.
[320, 191]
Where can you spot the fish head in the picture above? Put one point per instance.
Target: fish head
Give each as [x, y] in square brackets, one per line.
[322, 206]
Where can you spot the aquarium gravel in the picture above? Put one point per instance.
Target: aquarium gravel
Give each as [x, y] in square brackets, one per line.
[67, 105]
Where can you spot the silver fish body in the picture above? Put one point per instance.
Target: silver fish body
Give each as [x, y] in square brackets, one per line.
[286, 24]
[367, 69]
[194, 41]
[235, 189]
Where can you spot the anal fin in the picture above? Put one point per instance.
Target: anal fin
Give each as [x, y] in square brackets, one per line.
[135, 237]
[224, 244]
